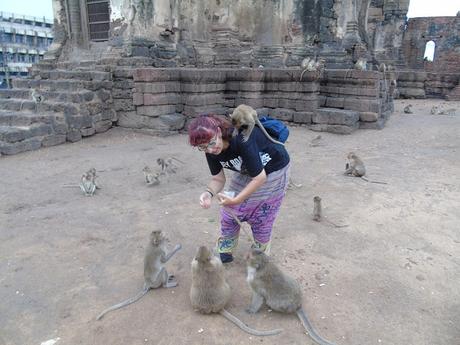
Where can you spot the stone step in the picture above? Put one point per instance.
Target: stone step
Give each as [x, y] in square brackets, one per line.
[25, 105]
[60, 85]
[16, 139]
[59, 96]
[88, 75]
[334, 120]
[15, 118]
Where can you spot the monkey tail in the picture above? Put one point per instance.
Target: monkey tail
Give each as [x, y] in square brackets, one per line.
[309, 328]
[245, 328]
[125, 303]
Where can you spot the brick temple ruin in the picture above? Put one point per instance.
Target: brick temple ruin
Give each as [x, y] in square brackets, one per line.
[154, 65]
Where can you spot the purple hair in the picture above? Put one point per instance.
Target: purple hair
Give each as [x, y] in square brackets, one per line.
[205, 127]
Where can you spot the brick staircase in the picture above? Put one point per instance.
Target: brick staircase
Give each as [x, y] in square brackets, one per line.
[75, 103]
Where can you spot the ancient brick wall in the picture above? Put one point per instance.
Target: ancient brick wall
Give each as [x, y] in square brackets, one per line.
[444, 32]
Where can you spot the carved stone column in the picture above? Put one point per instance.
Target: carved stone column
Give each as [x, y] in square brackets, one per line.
[351, 37]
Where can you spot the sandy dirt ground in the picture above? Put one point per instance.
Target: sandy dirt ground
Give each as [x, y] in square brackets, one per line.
[390, 277]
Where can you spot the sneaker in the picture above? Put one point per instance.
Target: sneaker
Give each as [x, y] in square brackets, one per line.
[226, 257]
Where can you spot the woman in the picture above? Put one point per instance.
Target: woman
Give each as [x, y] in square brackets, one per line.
[257, 187]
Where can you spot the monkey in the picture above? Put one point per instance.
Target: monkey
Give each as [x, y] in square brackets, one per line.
[92, 174]
[244, 118]
[311, 65]
[355, 167]
[317, 213]
[279, 291]
[434, 110]
[361, 64]
[87, 184]
[382, 67]
[210, 292]
[167, 165]
[155, 274]
[151, 178]
[292, 184]
[408, 109]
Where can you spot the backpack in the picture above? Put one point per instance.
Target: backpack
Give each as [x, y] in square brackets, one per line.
[276, 128]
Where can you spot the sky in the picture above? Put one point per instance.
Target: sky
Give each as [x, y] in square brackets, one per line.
[417, 8]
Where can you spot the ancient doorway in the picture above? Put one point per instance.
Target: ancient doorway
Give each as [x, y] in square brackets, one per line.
[429, 51]
[98, 12]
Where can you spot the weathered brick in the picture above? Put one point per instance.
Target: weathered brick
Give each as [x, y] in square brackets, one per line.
[302, 117]
[286, 86]
[156, 110]
[368, 116]
[337, 129]
[252, 86]
[161, 99]
[333, 116]
[301, 105]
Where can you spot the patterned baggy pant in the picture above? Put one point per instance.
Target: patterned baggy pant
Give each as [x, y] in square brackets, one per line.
[259, 210]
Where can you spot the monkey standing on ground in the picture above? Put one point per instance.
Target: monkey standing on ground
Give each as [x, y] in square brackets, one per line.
[210, 291]
[279, 291]
[155, 274]
[244, 118]
[355, 167]
[317, 213]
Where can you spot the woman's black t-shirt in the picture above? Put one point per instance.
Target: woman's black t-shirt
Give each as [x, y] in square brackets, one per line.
[250, 157]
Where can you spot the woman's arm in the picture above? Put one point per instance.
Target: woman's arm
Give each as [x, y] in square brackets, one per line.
[250, 188]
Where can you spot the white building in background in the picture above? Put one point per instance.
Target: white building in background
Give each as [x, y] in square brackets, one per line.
[23, 42]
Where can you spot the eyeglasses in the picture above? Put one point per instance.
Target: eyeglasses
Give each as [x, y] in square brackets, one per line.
[209, 145]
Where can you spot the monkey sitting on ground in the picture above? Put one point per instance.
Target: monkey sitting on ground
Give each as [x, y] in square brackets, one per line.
[408, 109]
[151, 178]
[155, 274]
[92, 174]
[317, 213]
[280, 292]
[87, 185]
[244, 118]
[210, 291]
[355, 167]
[168, 165]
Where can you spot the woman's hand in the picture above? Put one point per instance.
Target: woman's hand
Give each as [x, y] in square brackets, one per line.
[226, 200]
[205, 200]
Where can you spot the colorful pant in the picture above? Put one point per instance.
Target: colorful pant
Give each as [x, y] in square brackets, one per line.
[259, 210]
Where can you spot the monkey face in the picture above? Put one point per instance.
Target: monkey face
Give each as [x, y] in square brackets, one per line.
[156, 237]
[255, 258]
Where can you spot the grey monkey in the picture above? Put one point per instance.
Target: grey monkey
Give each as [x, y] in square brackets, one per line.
[279, 291]
[244, 118]
[408, 109]
[87, 184]
[210, 292]
[151, 178]
[318, 213]
[355, 167]
[155, 274]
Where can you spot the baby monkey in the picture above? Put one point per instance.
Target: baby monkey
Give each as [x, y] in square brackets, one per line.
[244, 118]
[210, 291]
[87, 184]
[355, 167]
[155, 274]
[279, 291]
[317, 213]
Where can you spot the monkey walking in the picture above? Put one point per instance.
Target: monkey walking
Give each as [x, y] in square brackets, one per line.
[355, 167]
[317, 213]
[244, 118]
[210, 291]
[155, 274]
[279, 291]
